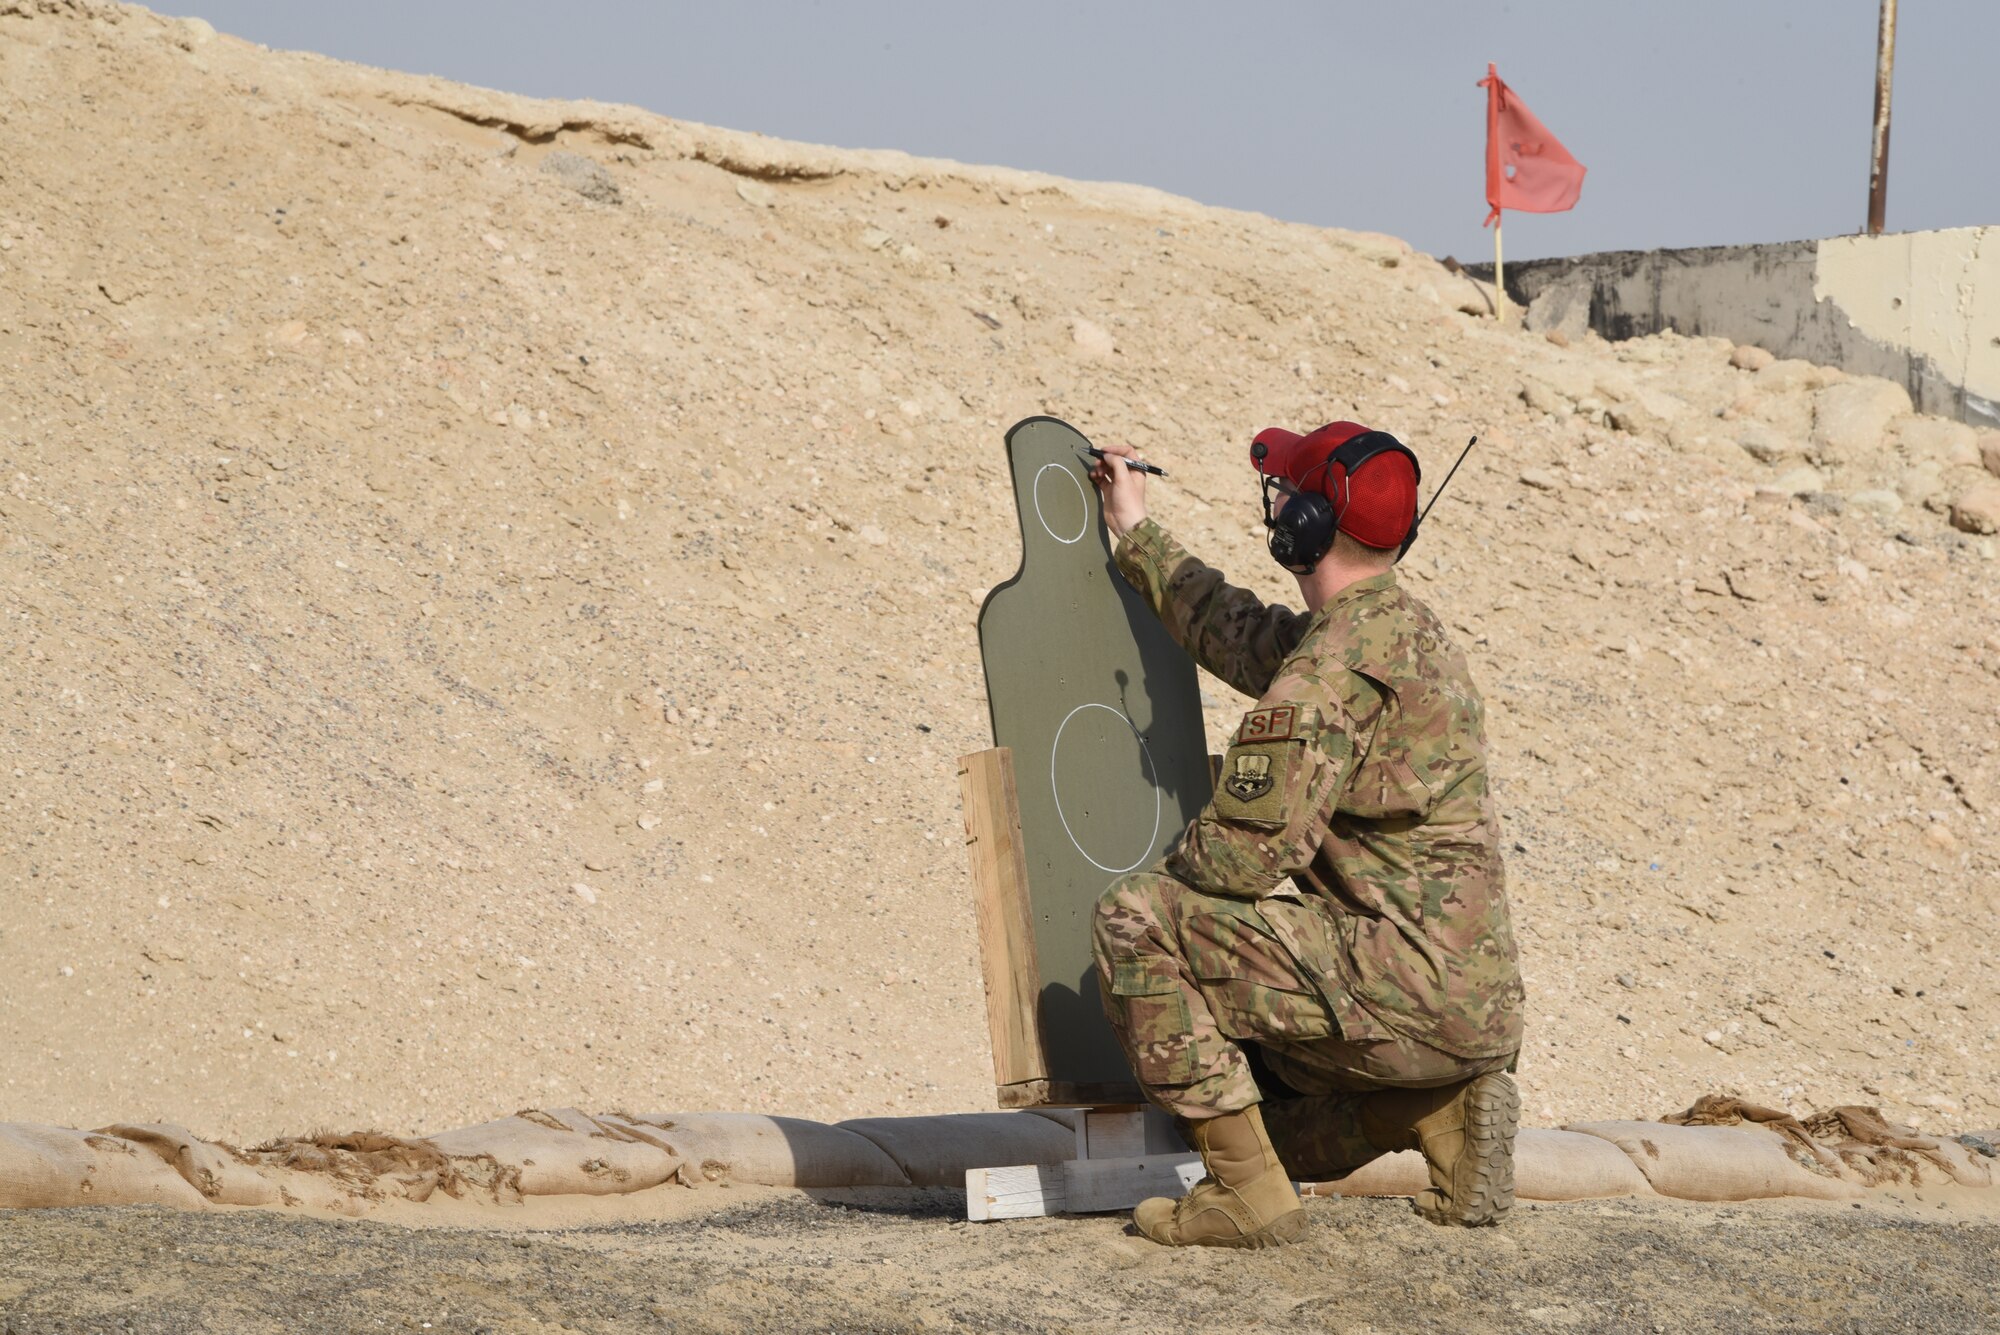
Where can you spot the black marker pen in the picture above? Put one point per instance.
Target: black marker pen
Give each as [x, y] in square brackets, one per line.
[1133, 464]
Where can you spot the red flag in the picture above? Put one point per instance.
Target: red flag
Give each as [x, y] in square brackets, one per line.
[1527, 168]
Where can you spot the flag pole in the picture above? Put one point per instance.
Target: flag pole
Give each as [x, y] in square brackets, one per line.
[1499, 277]
[1878, 159]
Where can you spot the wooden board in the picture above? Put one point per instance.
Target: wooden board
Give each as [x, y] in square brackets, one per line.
[1027, 1192]
[1000, 901]
[1101, 712]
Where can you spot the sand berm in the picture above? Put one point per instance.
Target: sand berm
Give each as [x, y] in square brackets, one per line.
[489, 593]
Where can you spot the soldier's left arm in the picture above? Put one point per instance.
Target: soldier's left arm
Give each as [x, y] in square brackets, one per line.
[1290, 759]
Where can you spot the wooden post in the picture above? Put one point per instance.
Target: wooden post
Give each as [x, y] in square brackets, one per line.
[1499, 276]
[1006, 927]
[1878, 158]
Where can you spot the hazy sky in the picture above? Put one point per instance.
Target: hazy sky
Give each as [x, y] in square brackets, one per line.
[1702, 121]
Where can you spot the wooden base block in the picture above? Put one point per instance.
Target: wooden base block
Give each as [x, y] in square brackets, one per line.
[1027, 1192]
[1081, 1186]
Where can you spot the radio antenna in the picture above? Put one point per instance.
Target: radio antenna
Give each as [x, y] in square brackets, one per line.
[1446, 483]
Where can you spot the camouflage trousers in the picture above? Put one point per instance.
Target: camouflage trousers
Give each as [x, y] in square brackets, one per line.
[1189, 978]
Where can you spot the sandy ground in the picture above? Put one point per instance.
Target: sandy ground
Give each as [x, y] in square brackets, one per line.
[856, 1262]
[488, 629]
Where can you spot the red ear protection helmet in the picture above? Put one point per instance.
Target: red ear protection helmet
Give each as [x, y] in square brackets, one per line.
[1322, 474]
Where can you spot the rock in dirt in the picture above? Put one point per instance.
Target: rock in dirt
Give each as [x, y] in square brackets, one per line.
[1917, 485]
[1978, 510]
[1849, 419]
[1938, 438]
[755, 193]
[582, 175]
[1545, 399]
[1800, 480]
[1989, 451]
[1752, 586]
[1876, 502]
[1789, 374]
[1747, 358]
[1093, 341]
[1645, 415]
[1768, 445]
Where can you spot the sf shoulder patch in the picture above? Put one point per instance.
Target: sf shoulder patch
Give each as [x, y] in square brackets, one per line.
[1279, 723]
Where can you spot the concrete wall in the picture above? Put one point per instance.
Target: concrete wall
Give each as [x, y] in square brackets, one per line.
[1922, 308]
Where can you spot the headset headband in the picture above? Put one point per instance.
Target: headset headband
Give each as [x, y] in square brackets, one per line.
[1358, 450]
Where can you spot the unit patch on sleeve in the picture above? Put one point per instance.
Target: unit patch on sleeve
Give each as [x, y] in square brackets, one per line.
[1258, 778]
[1249, 778]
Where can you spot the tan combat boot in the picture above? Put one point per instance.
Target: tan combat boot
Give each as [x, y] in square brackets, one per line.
[1466, 1132]
[1245, 1201]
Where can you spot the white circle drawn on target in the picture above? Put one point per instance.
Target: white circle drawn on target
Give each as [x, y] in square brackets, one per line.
[1037, 491]
[1152, 774]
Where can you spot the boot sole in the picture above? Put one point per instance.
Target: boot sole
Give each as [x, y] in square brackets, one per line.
[1492, 1116]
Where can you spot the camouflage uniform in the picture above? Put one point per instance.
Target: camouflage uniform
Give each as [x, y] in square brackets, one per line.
[1339, 902]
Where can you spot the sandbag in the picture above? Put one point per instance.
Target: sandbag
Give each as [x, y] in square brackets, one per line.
[1569, 1166]
[936, 1151]
[1962, 1164]
[1548, 1166]
[559, 1152]
[1879, 1152]
[1400, 1174]
[1720, 1163]
[350, 1171]
[767, 1151]
[1853, 1140]
[342, 1174]
[50, 1166]
[209, 1168]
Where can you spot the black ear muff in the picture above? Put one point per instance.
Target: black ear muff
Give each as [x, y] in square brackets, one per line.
[1302, 529]
[1302, 532]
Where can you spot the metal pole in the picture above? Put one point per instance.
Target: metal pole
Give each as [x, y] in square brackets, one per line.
[1885, 68]
[1499, 277]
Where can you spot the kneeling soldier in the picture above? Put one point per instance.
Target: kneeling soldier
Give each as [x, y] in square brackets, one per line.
[1322, 970]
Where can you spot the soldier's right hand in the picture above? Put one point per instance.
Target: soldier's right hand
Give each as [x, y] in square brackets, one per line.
[1122, 489]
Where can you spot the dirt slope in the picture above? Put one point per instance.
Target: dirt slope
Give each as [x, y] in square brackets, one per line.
[489, 592]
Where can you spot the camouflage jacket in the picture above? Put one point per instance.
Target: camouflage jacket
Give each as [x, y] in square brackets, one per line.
[1360, 778]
